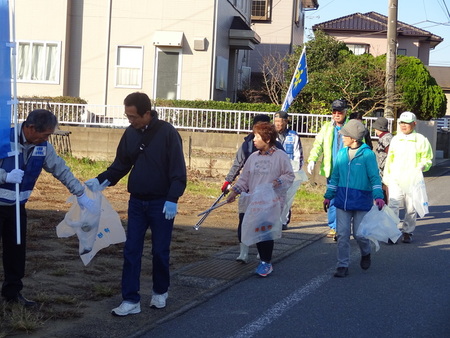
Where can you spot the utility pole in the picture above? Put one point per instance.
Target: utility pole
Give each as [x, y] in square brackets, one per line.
[391, 59]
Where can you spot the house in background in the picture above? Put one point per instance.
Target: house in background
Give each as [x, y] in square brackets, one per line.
[281, 26]
[367, 33]
[101, 50]
[442, 77]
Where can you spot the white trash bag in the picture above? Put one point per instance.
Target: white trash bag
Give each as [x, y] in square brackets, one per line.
[94, 231]
[418, 195]
[300, 177]
[262, 220]
[380, 225]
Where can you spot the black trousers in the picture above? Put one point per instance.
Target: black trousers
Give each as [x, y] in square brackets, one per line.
[265, 248]
[13, 254]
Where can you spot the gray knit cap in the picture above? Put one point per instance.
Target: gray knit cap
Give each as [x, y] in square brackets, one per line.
[354, 129]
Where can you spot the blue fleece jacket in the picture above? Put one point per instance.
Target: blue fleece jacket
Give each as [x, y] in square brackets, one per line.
[355, 184]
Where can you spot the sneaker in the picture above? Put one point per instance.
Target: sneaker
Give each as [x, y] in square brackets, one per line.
[365, 262]
[407, 238]
[284, 227]
[159, 300]
[331, 233]
[264, 269]
[341, 271]
[21, 300]
[126, 308]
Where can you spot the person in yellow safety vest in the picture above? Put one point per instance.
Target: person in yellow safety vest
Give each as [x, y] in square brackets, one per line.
[327, 143]
[409, 151]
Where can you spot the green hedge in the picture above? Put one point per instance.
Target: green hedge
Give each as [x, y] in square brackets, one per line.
[220, 105]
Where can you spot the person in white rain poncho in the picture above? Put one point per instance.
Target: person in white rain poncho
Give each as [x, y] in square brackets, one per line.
[272, 166]
[409, 153]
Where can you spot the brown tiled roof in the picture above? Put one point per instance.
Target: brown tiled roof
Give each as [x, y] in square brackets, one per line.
[374, 22]
[441, 75]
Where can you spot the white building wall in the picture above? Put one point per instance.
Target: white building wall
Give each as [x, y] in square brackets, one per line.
[34, 21]
[91, 30]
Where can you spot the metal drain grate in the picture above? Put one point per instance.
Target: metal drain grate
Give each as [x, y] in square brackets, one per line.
[219, 269]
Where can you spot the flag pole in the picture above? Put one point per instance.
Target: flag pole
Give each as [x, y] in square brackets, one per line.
[15, 110]
[292, 80]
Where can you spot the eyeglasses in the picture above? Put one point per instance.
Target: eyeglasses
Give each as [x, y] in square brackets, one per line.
[131, 117]
[338, 112]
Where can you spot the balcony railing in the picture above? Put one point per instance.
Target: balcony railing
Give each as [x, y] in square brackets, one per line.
[89, 115]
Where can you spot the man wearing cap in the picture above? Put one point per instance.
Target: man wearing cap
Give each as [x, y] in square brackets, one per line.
[245, 150]
[327, 143]
[354, 184]
[409, 151]
[293, 147]
[384, 139]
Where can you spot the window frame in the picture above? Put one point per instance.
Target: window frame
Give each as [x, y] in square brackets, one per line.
[44, 43]
[265, 18]
[117, 67]
[365, 45]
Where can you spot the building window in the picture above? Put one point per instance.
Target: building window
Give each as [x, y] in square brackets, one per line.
[358, 49]
[38, 61]
[261, 10]
[129, 66]
[401, 51]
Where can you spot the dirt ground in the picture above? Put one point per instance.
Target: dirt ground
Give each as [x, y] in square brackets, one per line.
[55, 274]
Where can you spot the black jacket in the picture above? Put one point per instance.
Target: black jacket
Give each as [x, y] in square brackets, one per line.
[159, 172]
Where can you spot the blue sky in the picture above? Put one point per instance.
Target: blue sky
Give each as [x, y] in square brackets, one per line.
[430, 15]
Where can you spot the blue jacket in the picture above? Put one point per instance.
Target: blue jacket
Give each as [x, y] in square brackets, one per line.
[355, 184]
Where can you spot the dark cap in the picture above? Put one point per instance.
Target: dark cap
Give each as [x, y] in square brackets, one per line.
[339, 105]
[282, 114]
[381, 124]
[260, 118]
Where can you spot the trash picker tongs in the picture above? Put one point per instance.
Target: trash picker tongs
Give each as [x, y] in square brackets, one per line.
[206, 213]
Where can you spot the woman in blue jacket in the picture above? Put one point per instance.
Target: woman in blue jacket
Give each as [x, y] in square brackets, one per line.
[355, 182]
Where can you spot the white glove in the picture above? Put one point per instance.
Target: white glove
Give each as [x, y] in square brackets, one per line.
[94, 185]
[86, 203]
[311, 165]
[15, 176]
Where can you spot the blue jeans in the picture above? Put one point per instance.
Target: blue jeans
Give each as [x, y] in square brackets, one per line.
[141, 215]
[347, 224]
[331, 213]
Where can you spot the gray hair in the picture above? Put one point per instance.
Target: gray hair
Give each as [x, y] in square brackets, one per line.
[41, 119]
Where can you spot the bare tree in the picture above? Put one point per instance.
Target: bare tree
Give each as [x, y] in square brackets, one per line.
[273, 69]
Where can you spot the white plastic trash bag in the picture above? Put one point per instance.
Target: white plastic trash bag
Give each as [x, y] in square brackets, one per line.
[262, 220]
[94, 232]
[300, 177]
[418, 194]
[380, 225]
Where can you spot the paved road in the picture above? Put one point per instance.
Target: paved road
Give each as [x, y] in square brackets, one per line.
[405, 293]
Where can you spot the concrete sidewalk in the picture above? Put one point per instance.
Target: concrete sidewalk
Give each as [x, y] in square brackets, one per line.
[195, 283]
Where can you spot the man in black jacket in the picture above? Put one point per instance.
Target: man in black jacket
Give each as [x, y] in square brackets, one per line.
[152, 150]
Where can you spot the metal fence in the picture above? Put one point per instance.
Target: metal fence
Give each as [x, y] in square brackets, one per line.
[207, 120]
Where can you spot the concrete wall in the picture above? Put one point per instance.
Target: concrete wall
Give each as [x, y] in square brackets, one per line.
[210, 153]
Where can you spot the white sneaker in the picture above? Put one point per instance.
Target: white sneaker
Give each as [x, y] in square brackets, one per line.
[126, 308]
[159, 301]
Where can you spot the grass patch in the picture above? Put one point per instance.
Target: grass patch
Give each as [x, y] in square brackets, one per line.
[85, 168]
[309, 198]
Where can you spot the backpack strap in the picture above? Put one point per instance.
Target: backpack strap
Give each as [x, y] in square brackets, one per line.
[146, 138]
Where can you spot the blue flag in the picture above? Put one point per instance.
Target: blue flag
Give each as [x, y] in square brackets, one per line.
[299, 80]
[5, 80]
